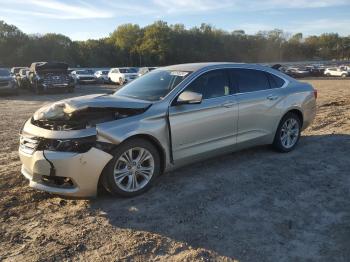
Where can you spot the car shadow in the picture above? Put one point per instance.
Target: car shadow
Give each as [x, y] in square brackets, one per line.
[255, 203]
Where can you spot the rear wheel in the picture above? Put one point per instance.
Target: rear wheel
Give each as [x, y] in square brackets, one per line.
[288, 133]
[135, 165]
[344, 75]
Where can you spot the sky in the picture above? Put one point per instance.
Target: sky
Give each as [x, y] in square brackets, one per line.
[93, 19]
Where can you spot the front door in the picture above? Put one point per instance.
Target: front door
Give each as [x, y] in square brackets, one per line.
[197, 129]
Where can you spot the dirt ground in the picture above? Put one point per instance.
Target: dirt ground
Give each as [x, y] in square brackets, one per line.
[253, 205]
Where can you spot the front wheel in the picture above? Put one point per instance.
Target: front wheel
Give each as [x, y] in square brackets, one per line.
[288, 133]
[135, 165]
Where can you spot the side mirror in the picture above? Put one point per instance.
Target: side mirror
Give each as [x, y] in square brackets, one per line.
[189, 97]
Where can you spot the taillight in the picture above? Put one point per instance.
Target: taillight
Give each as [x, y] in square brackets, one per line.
[315, 93]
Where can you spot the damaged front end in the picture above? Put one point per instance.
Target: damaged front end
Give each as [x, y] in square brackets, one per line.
[60, 148]
[65, 116]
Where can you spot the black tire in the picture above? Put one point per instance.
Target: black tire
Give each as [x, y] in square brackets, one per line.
[277, 143]
[344, 75]
[108, 180]
[328, 74]
[120, 81]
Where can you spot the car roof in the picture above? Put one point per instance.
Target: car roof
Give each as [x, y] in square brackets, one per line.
[193, 67]
[198, 66]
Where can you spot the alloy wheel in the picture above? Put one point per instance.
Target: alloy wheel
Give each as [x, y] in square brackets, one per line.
[134, 169]
[289, 133]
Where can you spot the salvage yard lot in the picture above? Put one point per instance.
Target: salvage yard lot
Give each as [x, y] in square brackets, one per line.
[254, 205]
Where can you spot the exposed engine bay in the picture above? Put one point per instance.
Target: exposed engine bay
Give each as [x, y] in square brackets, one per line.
[83, 119]
[78, 113]
[83, 113]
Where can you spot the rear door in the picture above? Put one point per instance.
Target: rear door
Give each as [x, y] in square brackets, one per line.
[197, 129]
[258, 95]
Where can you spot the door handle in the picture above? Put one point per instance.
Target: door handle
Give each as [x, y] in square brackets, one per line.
[228, 104]
[271, 97]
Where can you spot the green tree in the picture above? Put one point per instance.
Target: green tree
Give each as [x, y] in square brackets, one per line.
[127, 37]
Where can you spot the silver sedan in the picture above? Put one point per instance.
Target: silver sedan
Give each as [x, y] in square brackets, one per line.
[167, 118]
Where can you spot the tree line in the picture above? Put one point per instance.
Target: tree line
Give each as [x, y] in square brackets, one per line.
[161, 44]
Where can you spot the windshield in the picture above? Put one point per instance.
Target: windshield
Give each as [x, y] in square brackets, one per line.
[4, 72]
[105, 72]
[154, 85]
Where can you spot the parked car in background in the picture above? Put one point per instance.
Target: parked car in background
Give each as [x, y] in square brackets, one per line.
[315, 70]
[336, 71]
[8, 83]
[145, 70]
[102, 76]
[23, 78]
[45, 76]
[122, 75]
[297, 72]
[345, 68]
[86, 76]
[170, 117]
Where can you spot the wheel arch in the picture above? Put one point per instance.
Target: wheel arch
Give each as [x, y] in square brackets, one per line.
[297, 112]
[153, 141]
[294, 110]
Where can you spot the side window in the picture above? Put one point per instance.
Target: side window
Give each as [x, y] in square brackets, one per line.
[210, 85]
[250, 80]
[275, 81]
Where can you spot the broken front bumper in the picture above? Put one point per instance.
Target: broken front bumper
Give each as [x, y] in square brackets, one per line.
[81, 170]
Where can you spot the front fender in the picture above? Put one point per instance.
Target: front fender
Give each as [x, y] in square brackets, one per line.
[118, 131]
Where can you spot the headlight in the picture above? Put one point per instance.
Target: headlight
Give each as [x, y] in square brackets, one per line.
[78, 145]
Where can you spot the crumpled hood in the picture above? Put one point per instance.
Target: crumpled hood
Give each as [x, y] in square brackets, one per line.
[68, 106]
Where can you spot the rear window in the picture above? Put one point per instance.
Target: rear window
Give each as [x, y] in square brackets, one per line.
[275, 81]
[250, 80]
